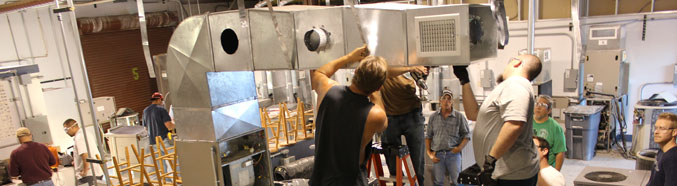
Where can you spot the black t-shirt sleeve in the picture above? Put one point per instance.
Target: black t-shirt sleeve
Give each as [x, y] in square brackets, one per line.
[670, 167]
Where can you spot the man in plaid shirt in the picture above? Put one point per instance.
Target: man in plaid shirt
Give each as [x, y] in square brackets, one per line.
[446, 136]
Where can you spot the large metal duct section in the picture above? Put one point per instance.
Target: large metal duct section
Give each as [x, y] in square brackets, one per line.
[220, 140]
[409, 35]
[211, 58]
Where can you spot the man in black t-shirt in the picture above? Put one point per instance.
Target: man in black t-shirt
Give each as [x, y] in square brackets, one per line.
[156, 119]
[664, 171]
[158, 122]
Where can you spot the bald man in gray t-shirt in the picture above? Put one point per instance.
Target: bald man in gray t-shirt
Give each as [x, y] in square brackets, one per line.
[503, 131]
[512, 100]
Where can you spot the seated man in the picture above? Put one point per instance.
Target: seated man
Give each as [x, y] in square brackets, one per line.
[547, 176]
[446, 135]
[665, 169]
[548, 129]
[347, 118]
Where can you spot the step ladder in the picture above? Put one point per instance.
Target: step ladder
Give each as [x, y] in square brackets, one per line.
[402, 160]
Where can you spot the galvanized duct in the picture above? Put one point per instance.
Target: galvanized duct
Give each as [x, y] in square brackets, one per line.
[91, 25]
[301, 168]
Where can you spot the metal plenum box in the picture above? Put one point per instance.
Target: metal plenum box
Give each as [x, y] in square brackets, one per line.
[410, 35]
[297, 23]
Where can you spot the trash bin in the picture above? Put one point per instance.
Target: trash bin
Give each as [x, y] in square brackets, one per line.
[582, 126]
[645, 159]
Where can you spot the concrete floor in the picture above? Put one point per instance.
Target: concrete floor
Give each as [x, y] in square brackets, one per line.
[573, 167]
[570, 169]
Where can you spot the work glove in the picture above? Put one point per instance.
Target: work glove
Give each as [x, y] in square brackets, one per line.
[462, 74]
[487, 170]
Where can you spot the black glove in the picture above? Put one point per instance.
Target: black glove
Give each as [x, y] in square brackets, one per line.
[462, 74]
[487, 170]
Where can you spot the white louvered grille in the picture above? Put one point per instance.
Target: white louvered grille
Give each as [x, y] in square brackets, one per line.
[438, 35]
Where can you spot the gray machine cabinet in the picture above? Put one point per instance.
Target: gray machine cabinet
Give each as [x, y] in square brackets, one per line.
[124, 137]
[607, 67]
[104, 108]
[202, 156]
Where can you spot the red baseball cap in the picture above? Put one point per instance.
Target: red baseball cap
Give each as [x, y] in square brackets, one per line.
[156, 95]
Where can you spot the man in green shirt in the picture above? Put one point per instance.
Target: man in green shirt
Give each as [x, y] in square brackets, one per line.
[548, 128]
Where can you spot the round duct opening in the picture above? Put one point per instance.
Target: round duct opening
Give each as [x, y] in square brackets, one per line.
[316, 39]
[229, 41]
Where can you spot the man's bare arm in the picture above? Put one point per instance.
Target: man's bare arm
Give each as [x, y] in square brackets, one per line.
[85, 164]
[463, 143]
[170, 125]
[559, 160]
[506, 138]
[470, 103]
[375, 97]
[320, 78]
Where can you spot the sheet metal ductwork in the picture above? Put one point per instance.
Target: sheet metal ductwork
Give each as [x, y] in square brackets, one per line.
[215, 109]
[211, 59]
[410, 35]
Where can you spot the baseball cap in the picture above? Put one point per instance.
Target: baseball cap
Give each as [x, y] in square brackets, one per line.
[447, 92]
[156, 95]
[23, 131]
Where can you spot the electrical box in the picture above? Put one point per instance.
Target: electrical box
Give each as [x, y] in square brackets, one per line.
[487, 78]
[606, 72]
[570, 80]
[39, 128]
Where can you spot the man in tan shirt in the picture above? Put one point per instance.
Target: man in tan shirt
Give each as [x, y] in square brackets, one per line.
[403, 108]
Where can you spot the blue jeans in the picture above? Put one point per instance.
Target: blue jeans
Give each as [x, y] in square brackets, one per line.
[411, 126]
[46, 183]
[449, 165]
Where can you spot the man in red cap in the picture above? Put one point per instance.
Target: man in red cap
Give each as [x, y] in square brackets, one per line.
[157, 120]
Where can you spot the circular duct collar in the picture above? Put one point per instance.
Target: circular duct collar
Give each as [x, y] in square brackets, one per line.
[316, 39]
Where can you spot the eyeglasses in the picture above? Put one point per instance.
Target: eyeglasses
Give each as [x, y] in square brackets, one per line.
[663, 128]
[68, 128]
[544, 105]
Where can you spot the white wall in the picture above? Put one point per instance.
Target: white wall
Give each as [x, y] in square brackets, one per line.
[552, 34]
[651, 60]
[42, 29]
